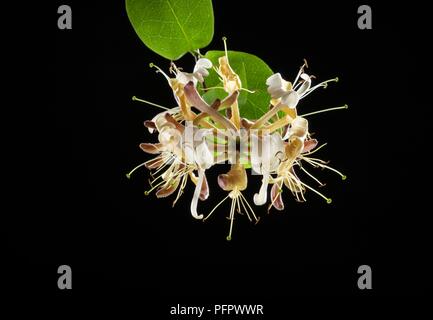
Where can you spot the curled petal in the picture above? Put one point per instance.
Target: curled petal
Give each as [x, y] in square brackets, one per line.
[224, 182]
[261, 197]
[309, 145]
[195, 198]
[150, 125]
[277, 200]
[204, 192]
[152, 148]
[165, 192]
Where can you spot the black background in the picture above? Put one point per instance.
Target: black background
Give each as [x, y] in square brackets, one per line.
[119, 241]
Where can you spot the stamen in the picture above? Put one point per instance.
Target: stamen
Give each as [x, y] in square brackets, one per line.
[325, 110]
[179, 193]
[245, 209]
[293, 185]
[225, 45]
[155, 164]
[301, 70]
[173, 69]
[169, 172]
[232, 217]
[247, 90]
[209, 88]
[315, 159]
[241, 89]
[197, 190]
[134, 98]
[323, 84]
[313, 177]
[238, 205]
[159, 70]
[166, 163]
[343, 177]
[147, 192]
[303, 196]
[252, 211]
[128, 175]
[328, 200]
[216, 207]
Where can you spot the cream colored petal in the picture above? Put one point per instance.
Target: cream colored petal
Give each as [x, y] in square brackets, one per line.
[290, 99]
[196, 196]
[152, 148]
[277, 86]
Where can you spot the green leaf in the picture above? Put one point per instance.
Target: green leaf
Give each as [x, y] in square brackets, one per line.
[253, 73]
[172, 27]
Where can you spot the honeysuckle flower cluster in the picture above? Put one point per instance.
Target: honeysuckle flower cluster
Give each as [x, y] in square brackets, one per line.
[195, 136]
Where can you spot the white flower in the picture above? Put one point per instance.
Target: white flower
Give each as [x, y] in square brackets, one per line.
[200, 71]
[290, 94]
[266, 156]
[279, 88]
